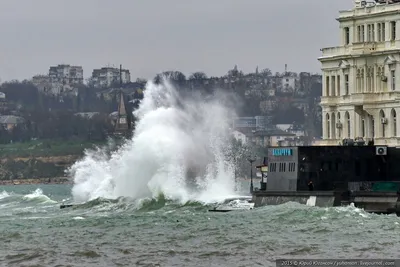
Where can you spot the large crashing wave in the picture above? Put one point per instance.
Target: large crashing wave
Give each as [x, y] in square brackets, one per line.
[179, 149]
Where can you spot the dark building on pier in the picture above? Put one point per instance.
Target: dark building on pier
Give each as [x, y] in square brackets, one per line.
[331, 167]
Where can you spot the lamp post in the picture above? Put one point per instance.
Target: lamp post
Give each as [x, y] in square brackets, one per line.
[251, 160]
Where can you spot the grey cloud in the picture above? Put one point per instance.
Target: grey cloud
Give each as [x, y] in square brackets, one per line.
[154, 35]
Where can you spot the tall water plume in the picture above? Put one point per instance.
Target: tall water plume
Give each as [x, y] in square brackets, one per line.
[179, 148]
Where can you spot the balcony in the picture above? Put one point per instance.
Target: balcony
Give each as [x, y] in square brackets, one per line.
[368, 11]
[364, 47]
[371, 98]
[360, 99]
[331, 100]
[335, 51]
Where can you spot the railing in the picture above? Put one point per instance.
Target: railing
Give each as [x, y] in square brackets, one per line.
[369, 10]
[360, 98]
[333, 51]
[365, 47]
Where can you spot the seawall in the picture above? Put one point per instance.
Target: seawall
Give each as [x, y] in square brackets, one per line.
[33, 169]
[377, 202]
[56, 180]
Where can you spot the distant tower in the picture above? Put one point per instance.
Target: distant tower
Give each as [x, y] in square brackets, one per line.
[122, 120]
[122, 124]
[285, 68]
[257, 70]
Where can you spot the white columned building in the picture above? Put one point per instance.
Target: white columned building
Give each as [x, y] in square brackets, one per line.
[361, 77]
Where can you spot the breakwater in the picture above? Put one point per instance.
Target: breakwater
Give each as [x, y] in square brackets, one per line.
[376, 202]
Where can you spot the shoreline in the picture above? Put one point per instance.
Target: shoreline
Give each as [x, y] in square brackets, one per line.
[56, 180]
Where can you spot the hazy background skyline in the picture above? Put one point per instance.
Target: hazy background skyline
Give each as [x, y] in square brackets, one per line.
[151, 36]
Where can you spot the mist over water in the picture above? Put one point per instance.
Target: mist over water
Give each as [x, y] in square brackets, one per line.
[179, 149]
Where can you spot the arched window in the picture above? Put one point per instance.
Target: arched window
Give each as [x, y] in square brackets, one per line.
[328, 126]
[362, 128]
[372, 79]
[394, 122]
[333, 123]
[378, 79]
[362, 81]
[381, 117]
[358, 82]
[340, 129]
[347, 120]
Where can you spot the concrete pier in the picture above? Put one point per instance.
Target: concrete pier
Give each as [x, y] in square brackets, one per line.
[376, 202]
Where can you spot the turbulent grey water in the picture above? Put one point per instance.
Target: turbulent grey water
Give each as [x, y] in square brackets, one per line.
[123, 232]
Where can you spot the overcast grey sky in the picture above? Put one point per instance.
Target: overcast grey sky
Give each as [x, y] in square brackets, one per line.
[149, 36]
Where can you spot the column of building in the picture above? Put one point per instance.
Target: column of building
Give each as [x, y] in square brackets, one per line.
[332, 117]
[397, 76]
[353, 124]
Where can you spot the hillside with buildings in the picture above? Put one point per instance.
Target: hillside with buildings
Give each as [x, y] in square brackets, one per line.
[273, 109]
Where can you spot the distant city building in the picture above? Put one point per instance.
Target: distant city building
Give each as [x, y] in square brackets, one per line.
[61, 79]
[105, 77]
[10, 121]
[288, 83]
[361, 83]
[66, 74]
[257, 122]
[42, 82]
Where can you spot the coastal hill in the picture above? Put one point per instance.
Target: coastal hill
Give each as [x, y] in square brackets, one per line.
[47, 122]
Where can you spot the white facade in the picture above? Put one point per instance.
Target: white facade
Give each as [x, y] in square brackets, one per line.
[361, 77]
[42, 82]
[66, 74]
[288, 83]
[105, 77]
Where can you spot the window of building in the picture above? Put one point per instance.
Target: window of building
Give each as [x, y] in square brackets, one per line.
[363, 128]
[346, 35]
[292, 167]
[379, 29]
[340, 128]
[338, 84]
[328, 126]
[393, 30]
[393, 76]
[373, 127]
[362, 33]
[327, 86]
[347, 119]
[394, 123]
[371, 32]
[333, 85]
[383, 34]
[346, 84]
[382, 116]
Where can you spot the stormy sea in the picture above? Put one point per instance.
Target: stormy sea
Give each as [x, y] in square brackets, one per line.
[147, 203]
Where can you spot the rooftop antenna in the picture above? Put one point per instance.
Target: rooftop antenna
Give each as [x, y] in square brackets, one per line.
[285, 68]
[120, 75]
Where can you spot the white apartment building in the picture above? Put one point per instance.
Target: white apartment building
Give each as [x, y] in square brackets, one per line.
[361, 77]
[104, 77]
[66, 74]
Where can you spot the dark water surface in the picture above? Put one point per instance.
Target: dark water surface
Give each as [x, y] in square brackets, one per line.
[35, 232]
